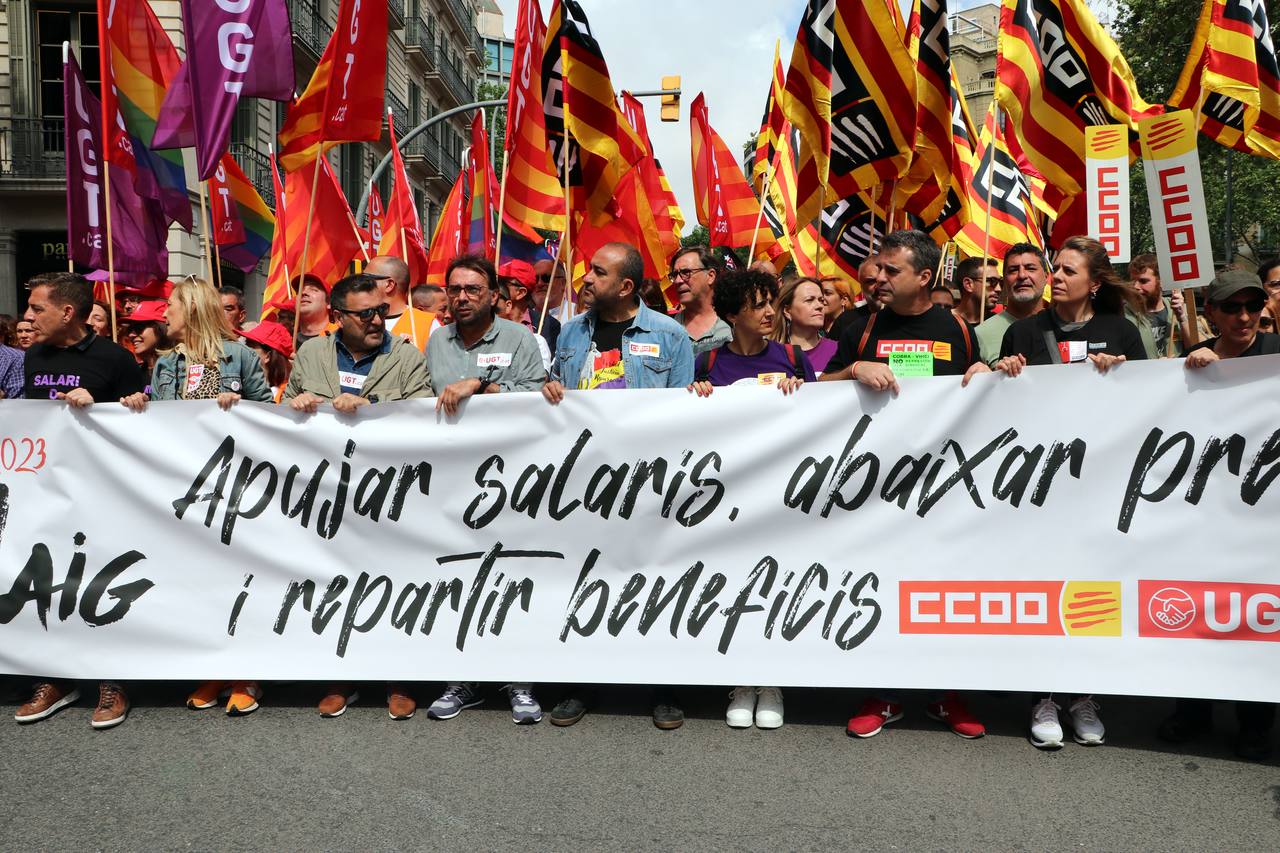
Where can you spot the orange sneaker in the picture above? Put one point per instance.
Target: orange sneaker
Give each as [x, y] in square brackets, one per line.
[244, 698]
[206, 695]
[336, 700]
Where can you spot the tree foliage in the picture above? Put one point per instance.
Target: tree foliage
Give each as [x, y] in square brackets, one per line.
[497, 121]
[1155, 37]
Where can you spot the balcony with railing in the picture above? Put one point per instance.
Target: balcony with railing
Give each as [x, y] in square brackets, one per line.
[32, 149]
[449, 165]
[462, 13]
[257, 168]
[310, 29]
[395, 14]
[424, 149]
[454, 82]
[420, 43]
[404, 121]
[475, 49]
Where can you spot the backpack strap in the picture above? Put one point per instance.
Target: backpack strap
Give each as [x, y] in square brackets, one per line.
[968, 340]
[706, 361]
[793, 355]
[866, 336]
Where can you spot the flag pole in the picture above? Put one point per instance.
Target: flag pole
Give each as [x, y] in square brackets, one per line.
[893, 206]
[502, 204]
[567, 242]
[306, 240]
[821, 212]
[986, 232]
[106, 191]
[764, 194]
[217, 263]
[871, 238]
[204, 224]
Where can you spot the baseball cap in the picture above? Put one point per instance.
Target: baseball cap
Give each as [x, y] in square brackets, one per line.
[521, 271]
[148, 311]
[271, 334]
[1230, 282]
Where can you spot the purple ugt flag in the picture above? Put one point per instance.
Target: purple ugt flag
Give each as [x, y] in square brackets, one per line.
[138, 231]
[234, 48]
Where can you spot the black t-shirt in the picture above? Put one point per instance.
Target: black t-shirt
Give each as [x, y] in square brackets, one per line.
[106, 370]
[608, 336]
[1112, 334]
[846, 319]
[937, 332]
[1264, 343]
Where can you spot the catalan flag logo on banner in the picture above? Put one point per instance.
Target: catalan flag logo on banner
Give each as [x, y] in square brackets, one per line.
[534, 195]
[1059, 71]
[138, 60]
[586, 131]
[243, 225]
[1232, 67]
[343, 101]
[725, 202]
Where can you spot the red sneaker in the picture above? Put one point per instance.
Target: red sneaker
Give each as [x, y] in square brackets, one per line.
[954, 714]
[874, 715]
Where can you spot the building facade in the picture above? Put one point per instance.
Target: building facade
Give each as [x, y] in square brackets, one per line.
[434, 59]
[973, 56]
[498, 49]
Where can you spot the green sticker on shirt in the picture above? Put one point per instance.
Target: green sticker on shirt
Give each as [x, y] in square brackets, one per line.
[908, 364]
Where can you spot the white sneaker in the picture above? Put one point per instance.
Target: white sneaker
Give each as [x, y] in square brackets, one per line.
[1087, 727]
[1046, 731]
[768, 707]
[742, 705]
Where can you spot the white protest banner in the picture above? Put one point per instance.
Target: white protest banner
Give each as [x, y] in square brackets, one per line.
[1062, 531]
[1107, 188]
[1176, 194]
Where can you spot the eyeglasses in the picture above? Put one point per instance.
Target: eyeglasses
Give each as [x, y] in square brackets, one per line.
[1267, 323]
[365, 314]
[472, 290]
[681, 275]
[1253, 306]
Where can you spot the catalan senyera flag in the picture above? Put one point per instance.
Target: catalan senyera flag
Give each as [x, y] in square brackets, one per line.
[243, 225]
[726, 204]
[482, 193]
[851, 92]
[276, 293]
[333, 242]
[996, 176]
[772, 125]
[585, 129]
[343, 102]
[935, 106]
[956, 212]
[1232, 67]
[401, 228]
[1058, 70]
[657, 195]
[450, 237]
[137, 61]
[534, 194]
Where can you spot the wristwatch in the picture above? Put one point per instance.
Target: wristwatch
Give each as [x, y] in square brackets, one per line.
[484, 386]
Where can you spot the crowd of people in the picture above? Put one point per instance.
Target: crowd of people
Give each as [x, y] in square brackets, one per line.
[370, 339]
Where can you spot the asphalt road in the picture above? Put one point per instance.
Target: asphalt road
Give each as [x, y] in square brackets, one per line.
[285, 779]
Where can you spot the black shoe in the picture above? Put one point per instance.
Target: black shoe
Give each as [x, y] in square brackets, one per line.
[667, 717]
[568, 711]
[1253, 745]
[1182, 728]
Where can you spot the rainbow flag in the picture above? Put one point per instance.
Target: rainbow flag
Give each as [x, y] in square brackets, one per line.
[138, 60]
[483, 193]
[243, 225]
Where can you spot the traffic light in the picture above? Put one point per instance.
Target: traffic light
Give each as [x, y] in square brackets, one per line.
[671, 98]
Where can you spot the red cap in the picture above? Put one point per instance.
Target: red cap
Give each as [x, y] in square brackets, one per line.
[271, 334]
[148, 311]
[521, 271]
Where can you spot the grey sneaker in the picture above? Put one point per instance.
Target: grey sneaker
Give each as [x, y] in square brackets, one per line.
[457, 696]
[525, 709]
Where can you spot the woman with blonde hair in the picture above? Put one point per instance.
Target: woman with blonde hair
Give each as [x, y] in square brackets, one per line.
[206, 362]
[801, 309]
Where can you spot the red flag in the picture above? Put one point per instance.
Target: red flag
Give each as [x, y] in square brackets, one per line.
[534, 196]
[726, 205]
[343, 101]
[402, 230]
[376, 212]
[450, 237]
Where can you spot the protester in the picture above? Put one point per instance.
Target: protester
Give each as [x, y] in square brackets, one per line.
[8, 330]
[977, 290]
[802, 310]
[430, 298]
[868, 272]
[100, 318]
[549, 289]
[652, 296]
[909, 335]
[402, 319]
[695, 271]
[232, 299]
[839, 298]
[944, 297]
[69, 362]
[274, 346]
[1160, 311]
[618, 342]
[12, 375]
[24, 334]
[521, 279]
[507, 309]
[147, 334]
[360, 365]
[1267, 322]
[1025, 275]
[313, 309]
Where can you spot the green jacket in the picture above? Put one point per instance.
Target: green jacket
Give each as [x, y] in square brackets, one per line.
[400, 374]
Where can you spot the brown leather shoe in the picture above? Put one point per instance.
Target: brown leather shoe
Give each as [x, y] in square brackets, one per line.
[400, 705]
[336, 700]
[47, 699]
[113, 706]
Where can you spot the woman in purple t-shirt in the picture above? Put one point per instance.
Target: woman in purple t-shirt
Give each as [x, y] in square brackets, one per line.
[801, 308]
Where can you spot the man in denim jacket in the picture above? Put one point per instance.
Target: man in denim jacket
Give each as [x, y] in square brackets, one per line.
[619, 343]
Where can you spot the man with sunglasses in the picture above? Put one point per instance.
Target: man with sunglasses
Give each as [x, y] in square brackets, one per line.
[971, 285]
[403, 320]
[695, 271]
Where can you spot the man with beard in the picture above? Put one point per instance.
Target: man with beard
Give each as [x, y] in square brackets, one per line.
[1025, 274]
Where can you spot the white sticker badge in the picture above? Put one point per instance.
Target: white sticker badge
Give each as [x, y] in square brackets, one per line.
[644, 350]
[351, 380]
[493, 359]
[195, 372]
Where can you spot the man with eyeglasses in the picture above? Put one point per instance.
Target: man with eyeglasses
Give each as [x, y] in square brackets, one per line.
[1025, 275]
[1269, 272]
[973, 290]
[694, 272]
[521, 280]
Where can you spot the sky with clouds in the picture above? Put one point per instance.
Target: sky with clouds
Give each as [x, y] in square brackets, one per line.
[723, 48]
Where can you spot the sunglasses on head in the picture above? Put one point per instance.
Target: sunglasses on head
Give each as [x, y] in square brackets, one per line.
[1235, 306]
[365, 314]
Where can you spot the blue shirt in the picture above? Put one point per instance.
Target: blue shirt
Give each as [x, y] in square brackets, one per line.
[352, 371]
[11, 372]
[656, 352]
